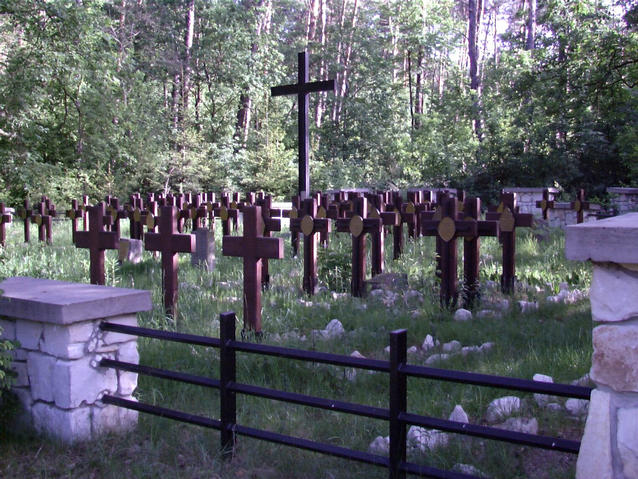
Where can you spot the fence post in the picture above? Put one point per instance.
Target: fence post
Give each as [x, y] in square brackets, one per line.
[227, 401]
[398, 402]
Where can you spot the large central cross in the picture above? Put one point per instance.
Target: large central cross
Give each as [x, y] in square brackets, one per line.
[301, 89]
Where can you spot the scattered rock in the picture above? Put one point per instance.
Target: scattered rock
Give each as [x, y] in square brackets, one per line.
[520, 424]
[413, 350]
[502, 407]
[527, 306]
[489, 284]
[305, 303]
[502, 304]
[584, 381]
[395, 281]
[413, 297]
[357, 354]
[485, 347]
[577, 407]
[380, 445]
[428, 343]
[334, 329]
[554, 406]
[435, 358]
[415, 314]
[465, 350]
[459, 415]
[336, 295]
[426, 439]
[462, 315]
[452, 346]
[386, 350]
[487, 313]
[468, 469]
[542, 399]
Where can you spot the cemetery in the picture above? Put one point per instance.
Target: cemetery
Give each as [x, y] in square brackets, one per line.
[318, 239]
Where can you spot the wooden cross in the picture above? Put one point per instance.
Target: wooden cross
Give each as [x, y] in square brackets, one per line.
[4, 219]
[25, 213]
[447, 228]
[377, 248]
[509, 219]
[309, 224]
[294, 227]
[97, 240]
[74, 214]
[358, 225]
[85, 212]
[270, 225]
[252, 247]
[134, 214]
[169, 243]
[579, 206]
[545, 204]
[471, 250]
[41, 217]
[226, 213]
[301, 89]
[407, 215]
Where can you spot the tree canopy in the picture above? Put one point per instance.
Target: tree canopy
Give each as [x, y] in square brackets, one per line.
[116, 96]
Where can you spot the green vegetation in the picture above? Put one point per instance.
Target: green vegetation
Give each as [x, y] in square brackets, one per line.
[554, 340]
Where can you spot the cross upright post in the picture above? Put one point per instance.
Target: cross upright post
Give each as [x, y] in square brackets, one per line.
[169, 243]
[97, 241]
[25, 213]
[301, 89]
[252, 247]
[579, 206]
[545, 204]
[270, 224]
[74, 215]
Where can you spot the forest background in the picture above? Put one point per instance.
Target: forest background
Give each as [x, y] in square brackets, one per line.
[100, 96]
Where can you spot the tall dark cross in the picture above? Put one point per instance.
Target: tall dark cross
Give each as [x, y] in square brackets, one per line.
[309, 224]
[97, 241]
[25, 213]
[358, 225]
[253, 247]
[579, 206]
[509, 219]
[169, 243]
[471, 247]
[4, 219]
[545, 204]
[301, 89]
[74, 214]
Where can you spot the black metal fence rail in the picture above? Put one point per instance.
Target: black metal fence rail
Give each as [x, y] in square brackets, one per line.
[395, 414]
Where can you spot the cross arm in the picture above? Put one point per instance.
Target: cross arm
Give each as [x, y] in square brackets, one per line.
[271, 248]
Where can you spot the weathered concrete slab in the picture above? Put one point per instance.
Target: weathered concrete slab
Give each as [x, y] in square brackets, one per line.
[610, 240]
[60, 302]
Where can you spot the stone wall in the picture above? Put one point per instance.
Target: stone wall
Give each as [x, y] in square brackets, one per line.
[623, 200]
[59, 381]
[609, 448]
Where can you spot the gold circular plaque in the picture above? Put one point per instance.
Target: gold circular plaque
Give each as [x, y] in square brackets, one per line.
[410, 208]
[150, 221]
[507, 221]
[223, 213]
[37, 219]
[578, 205]
[70, 214]
[22, 213]
[307, 225]
[137, 215]
[356, 226]
[543, 205]
[294, 213]
[321, 212]
[446, 229]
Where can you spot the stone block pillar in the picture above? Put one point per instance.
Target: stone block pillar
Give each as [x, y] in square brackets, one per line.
[609, 448]
[59, 380]
[204, 254]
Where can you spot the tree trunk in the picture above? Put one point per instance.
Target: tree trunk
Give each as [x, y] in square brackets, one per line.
[474, 21]
[531, 26]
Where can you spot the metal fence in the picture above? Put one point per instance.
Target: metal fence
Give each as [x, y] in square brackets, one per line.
[396, 414]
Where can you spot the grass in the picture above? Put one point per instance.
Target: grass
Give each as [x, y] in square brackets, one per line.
[554, 340]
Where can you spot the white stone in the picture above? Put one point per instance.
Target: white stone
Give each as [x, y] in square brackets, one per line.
[127, 381]
[459, 415]
[520, 424]
[109, 418]
[487, 313]
[386, 349]
[428, 343]
[608, 240]
[502, 304]
[542, 399]
[451, 346]
[527, 306]
[627, 440]
[40, 368]
[130, 250]
[613, 293]
[334, 329]
[582, 381]
[577, 407]
[7, 329]
[485, 347]
[462, 315]
[29, 334]
[67, 425]
[58, 340]
[426, 439]
[554, 406]
[357, 354]
[435, 358]
[413, 350]
[380, 445]
[113, 338]
[465, 350]
[413, 297]
[502, 407]
[77, 382]
[595, 456]
[615, 357]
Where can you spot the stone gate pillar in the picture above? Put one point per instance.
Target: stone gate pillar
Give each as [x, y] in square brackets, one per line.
[59, 381]
[609, 448]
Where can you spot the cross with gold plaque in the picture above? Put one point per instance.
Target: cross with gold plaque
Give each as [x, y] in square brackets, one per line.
[377, 238]
[358, 225]
[509, 219]
[294, 213]
[74, 214]
[24, 212]
[545, 204]
[225, 212]
[41, 217]
[579, 206]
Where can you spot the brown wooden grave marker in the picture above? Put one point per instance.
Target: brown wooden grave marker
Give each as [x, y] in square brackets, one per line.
[545, 204]
[509, 219]
[169, 243]
[24, 212]
[270, 224]
[4, 219]
[74, 214]
[377, 238]
[301, 89]
[97, 240]
[579, 206]
[252, 247]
